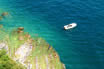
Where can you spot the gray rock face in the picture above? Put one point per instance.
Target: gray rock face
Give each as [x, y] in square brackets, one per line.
[22, 53]
[3, 46]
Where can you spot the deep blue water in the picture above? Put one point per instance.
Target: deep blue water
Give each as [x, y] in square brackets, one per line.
[79, 48]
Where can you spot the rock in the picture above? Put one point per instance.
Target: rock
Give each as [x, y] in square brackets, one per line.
[27, 36]
[64, 66]
[19, 31]
[1, 17]
[31, 40]
[5, 13]
[21, 28]
[1, 26]
[3, 46]
[21, 38]
[24, 51]
[50, 48]
[55, 55]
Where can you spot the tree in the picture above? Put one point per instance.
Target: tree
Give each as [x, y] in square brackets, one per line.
[7, 63]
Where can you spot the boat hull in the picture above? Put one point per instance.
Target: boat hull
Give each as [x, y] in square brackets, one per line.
[70, 26]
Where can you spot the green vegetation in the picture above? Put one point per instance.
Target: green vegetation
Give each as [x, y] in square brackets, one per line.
[42, 53]
[13, 39]
[7, 63]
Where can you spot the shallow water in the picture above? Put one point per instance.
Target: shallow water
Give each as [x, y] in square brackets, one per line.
[79, 48]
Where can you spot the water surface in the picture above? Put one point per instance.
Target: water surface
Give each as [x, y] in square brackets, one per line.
[79, 48]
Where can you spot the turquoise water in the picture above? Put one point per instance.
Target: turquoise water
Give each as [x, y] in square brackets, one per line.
[79, 48]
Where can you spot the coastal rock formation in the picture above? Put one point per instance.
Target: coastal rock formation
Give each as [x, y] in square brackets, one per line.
[32, 52]
[22, 53]
[3, 46]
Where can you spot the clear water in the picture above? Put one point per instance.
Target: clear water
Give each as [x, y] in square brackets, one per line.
[79, 48]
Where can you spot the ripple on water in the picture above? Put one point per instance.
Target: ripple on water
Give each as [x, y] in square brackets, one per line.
[79, 48]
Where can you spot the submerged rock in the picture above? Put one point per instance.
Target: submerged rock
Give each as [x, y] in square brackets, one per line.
[24, 48]
[1, 26]
[21, 28]
[19, 31]
[1, 17]
[4, 13]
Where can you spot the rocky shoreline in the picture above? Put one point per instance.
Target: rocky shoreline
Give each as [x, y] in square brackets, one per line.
[32, 52]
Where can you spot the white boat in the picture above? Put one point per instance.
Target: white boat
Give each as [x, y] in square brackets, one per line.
[70, 26]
